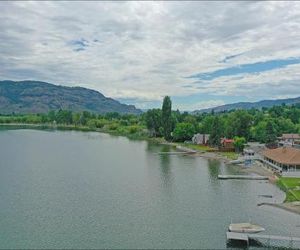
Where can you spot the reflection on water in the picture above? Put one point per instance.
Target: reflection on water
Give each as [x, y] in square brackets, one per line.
[213, 168]
[165, 165]
[89, 190]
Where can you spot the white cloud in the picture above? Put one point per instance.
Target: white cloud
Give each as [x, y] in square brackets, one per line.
[200, 105]
[144, 50]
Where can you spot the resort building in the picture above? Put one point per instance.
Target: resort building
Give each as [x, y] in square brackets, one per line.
[289, 140]
[200, 139]
[284, 159]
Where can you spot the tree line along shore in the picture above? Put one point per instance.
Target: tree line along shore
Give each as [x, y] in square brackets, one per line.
[263, 125]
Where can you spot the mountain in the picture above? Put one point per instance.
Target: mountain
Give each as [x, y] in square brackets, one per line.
[40, 97]
[249, 105]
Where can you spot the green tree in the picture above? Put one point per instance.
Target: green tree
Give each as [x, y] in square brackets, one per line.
[154, 121]
[258, 132]
[270, 132]
[183, 131]
[238, 124]
[64, 117]
[216, 132]
[239, 143]
[167, 122]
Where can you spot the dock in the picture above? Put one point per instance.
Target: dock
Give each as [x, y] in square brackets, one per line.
[242, 177]
[246, 237]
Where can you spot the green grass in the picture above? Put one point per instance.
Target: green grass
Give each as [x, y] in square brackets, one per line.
[196, 147]
[230, 155]
[289, 185]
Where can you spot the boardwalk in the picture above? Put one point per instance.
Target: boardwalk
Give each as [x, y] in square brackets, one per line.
[242, 177]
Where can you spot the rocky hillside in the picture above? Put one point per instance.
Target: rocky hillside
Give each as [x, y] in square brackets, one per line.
[40, 97]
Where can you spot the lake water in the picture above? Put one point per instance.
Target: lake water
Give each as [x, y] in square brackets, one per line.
[91, 190]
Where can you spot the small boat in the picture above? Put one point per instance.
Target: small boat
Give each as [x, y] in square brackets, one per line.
[245, 228]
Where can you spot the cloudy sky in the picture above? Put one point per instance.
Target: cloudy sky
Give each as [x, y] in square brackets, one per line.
[202, 54]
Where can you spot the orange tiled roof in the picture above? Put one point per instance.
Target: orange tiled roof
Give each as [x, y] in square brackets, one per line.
[284, 155]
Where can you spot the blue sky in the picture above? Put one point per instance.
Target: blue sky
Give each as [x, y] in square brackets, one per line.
[251, 68]
[202, 54]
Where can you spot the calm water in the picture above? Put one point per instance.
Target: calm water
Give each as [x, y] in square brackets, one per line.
[92, 190]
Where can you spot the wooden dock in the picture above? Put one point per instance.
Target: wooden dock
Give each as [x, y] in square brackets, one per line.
[242, 177]
[246, 237]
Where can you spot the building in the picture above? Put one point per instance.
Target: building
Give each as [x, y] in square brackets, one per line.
[249, 156]
[227, 145]
[284, 159]
[248, 152]
[289, 140]
[200, 139]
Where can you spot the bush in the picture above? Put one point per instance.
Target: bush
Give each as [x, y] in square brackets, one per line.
[133, 129]
[183, 131]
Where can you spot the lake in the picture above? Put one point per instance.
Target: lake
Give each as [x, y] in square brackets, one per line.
[67, 189]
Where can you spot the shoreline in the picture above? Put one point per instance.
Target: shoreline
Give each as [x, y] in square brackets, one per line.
[257, 168]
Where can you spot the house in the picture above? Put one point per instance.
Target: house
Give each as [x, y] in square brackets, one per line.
[227, 145]
[284, 159]
[248, 152]
[200, 139]
[289, 139]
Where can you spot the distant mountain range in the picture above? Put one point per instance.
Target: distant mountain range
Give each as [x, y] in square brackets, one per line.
[249, 105]
[40, 97]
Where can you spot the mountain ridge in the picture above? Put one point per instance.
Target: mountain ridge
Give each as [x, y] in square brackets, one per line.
[249, 105]
[30, 96]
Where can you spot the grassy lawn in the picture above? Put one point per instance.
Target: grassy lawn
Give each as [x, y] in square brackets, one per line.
[197, 147]
[290, 186]
[230, 155]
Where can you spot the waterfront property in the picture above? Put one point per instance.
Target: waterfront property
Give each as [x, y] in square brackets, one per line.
[200, 139]
[284, 159]
[227, 145]
[289, 140]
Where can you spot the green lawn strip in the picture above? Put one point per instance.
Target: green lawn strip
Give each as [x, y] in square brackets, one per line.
[201, 148]
[230, 155]
[289, 184]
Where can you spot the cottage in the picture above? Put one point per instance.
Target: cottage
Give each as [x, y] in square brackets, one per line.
[227, 144]
[289, 139]
[200, 139]
[285, 159]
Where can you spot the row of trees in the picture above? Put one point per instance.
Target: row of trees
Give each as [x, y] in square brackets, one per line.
[263, 125]
[250, 125]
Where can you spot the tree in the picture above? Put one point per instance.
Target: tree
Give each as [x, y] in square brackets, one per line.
[239, 143]
[167, 123]
[183, 131]
[64, 117]
[258, 132]
[270, 133]
[238, 124]
[216, 132]
[153, 121]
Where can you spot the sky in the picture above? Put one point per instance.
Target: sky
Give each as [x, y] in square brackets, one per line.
[202, 54]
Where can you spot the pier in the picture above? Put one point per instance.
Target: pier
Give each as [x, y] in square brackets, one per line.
[246, 237]
[242, 177]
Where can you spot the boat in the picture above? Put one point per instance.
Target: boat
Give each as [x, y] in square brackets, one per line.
[245, 228]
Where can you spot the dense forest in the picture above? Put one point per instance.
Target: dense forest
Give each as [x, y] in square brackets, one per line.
[262, 125]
